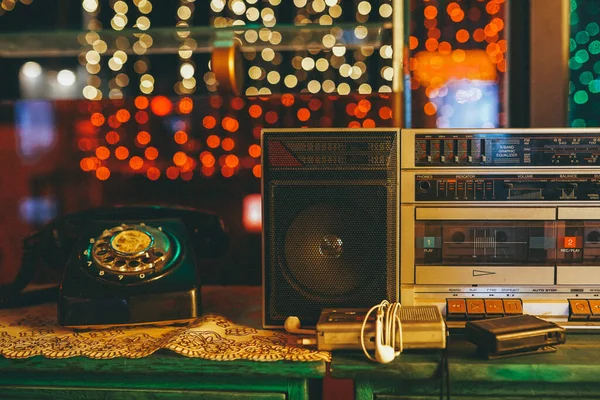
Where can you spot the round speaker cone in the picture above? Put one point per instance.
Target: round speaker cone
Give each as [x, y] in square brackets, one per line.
[329, 250]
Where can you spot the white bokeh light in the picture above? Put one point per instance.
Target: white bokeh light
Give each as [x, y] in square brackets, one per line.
[31, 69]
[65, 77]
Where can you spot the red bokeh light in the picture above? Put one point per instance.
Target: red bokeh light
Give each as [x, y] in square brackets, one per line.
[230, 124]
[136, 162]
[216, 101]
[121, 153]
[303, 114]
[213, 141]
[102, 152]
[208, 171]
[209, 122]
[161, 106]
[141, 102]
[151, 153]
[153, 173]
[271, 117]
[385, 113]
[143, 138]
[255, 111]
[232, 161]
[112, 137]
[172, 172]
[314, 104]
[368, 123]
[257, 171]
[186, 105]
[97, 119]
[141, 117]
[287, 100]
[237, 103]
[179, 158]
[113, 122]
[180, 137]
[228, 144]
[254, 150]
[227, 172]
[102, 173]
[207, 159]
[123, 115]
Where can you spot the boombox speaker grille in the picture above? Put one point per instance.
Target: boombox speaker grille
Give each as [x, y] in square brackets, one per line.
[329, 227]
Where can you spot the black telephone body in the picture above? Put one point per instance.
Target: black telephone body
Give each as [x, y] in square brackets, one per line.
[129, 265]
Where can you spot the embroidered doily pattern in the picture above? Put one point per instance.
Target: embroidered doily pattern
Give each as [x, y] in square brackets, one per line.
[33, 331]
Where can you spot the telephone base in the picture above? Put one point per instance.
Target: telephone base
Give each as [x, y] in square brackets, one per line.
[166, 309]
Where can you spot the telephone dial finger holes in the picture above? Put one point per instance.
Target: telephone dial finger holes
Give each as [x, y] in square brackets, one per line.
[131, 251]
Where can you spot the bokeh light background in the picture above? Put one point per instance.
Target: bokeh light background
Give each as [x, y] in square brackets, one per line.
[335, 77]
[161, 115]
[458, 63]
[584, 64]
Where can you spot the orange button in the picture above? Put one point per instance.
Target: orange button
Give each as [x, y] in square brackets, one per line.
[513, 306]
[579, 309]
[455, 308]
[595, 307]
[475, 308]
[494, 307]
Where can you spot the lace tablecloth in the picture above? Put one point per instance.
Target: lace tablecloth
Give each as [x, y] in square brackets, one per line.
[32, 331]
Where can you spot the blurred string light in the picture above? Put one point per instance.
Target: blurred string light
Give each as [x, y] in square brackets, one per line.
[584, 64]
[320, 64]
[143, 43]
[116, 63]
[91, 58]
[457, 67]
[187, 68]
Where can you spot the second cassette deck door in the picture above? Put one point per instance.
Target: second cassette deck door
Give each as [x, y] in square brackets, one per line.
[578, 246]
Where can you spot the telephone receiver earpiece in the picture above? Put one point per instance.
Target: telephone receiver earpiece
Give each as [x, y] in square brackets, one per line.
[292, 325]
[383, 353]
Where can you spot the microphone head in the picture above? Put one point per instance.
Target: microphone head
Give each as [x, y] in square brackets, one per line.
[292, 325]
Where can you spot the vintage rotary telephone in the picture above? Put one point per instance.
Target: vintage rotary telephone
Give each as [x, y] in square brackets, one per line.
[124, 265]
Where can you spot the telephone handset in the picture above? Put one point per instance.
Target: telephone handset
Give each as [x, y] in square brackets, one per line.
[125, 265]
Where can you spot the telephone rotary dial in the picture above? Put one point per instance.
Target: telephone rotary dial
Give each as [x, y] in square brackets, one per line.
[130, 253]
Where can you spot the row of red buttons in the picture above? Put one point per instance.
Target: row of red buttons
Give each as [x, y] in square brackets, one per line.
[461, 309]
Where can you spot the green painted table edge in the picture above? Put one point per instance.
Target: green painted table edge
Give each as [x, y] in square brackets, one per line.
[165, 363]
[155, 374]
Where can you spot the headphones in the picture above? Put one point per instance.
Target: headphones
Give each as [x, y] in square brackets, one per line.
[292, 325]
[387, 325]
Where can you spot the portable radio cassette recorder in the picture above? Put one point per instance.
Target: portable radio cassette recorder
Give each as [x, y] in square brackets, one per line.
[502, 222]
